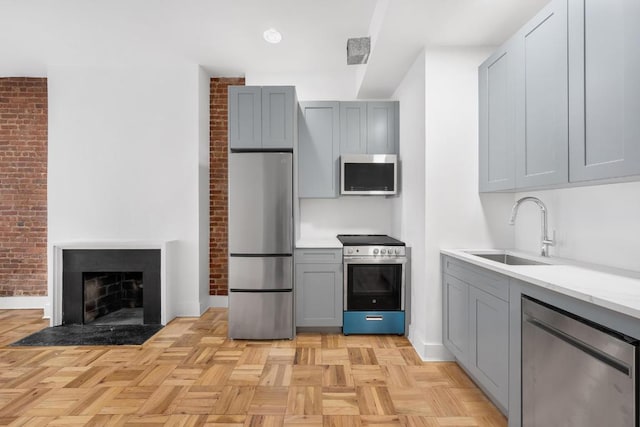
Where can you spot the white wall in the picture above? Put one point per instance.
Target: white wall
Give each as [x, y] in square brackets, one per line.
[409, 209]
[204, 96]
[123, 162]
[337, 86]
[598, 224]
[325, 218]
[456, 216]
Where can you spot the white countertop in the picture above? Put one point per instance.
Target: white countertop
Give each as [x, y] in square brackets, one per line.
[331, 242]
[617, 290]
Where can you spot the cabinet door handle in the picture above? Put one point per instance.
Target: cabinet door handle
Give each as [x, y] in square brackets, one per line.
[372, 318]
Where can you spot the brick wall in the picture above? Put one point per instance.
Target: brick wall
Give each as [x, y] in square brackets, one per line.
[23, 186]
[218, 184]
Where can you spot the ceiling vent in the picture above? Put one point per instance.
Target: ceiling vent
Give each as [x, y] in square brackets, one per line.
[358, 50]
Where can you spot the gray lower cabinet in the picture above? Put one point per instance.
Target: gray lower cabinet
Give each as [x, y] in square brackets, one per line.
[476, 325]
[497, 121]
[489, 343]
[455, 294]
[482, 314]
[318, 288]
[604, 88]
[542, 112]
[318, 149]
[261, 117]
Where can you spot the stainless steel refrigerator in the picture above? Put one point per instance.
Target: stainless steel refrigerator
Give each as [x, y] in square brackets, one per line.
[260, 245]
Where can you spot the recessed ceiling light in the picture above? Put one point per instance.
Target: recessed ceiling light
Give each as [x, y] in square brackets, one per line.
[272, 36]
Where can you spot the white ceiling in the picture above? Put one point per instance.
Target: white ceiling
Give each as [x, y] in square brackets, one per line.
[225, 36]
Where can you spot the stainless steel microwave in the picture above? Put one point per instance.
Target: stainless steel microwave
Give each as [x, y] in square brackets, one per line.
[368, 174]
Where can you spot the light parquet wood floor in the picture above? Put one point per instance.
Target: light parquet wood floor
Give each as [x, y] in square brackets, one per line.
[190, 374]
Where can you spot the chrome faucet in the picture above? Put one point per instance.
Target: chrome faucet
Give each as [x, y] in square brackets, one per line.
[545, 239]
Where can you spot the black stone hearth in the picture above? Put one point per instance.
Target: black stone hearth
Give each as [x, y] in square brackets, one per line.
[90, 335]
[80, 264]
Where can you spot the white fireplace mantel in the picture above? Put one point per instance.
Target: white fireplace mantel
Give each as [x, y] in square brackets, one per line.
[55, 274]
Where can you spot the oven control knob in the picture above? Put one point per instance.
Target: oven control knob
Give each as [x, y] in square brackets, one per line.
[383, 251]
[375, 251]
[350, 251]
[397, 251]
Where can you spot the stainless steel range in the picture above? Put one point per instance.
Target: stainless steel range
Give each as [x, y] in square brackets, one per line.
[374, 284]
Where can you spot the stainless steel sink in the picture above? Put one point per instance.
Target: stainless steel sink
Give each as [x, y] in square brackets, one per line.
[509, 259]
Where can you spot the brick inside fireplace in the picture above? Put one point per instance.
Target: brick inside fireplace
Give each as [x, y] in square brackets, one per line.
[107, 293]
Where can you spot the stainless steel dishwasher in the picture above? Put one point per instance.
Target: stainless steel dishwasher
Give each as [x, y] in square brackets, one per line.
[575, 373]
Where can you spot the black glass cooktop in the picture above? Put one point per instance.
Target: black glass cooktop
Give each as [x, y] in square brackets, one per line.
[368, 240]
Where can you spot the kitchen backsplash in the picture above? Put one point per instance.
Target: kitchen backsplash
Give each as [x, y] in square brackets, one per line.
[597, 224]
[325, 218]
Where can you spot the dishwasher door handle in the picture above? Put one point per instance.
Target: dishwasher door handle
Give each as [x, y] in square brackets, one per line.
[582, 346]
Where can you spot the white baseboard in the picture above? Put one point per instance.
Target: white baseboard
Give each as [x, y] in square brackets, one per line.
[433, 352]
[187, 309]
[218, 301]
[183, 309]
[436, 353]
[9, 303]
[429, 352]
[214, 301]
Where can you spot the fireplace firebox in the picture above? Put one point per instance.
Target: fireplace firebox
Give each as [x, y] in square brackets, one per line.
[118, 296]
[96, 282]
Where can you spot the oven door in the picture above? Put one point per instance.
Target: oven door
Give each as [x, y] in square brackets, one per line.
[374, 284]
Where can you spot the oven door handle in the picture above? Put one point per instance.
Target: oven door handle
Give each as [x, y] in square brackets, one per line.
[370, 260]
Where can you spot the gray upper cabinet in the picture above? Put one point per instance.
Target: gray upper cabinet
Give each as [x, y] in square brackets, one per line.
[604, 66]
[318, 149]
[327, 129]
[542, 111]
[497, 121]
[278, 103]
[245, 117]
[261, 117]
[382, 127]
[576, 92]
[353, 127]
[369, 127]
